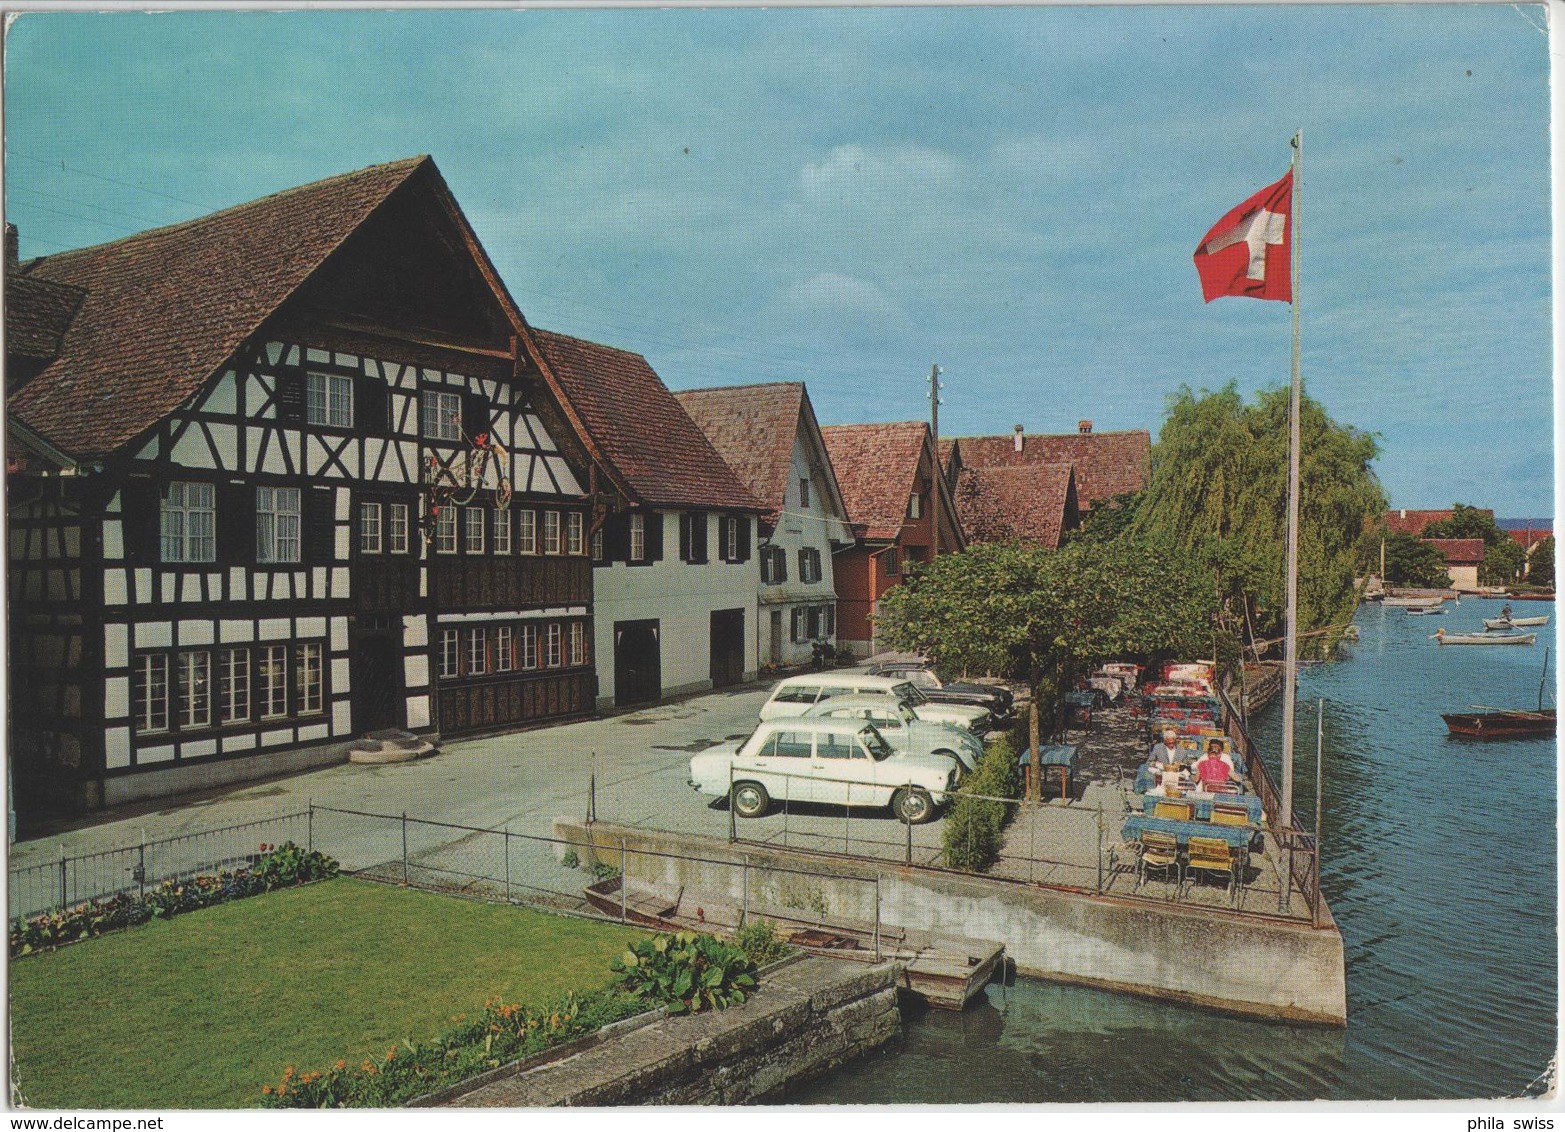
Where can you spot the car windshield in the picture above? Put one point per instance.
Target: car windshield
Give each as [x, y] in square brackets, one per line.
[875, 742]
[909, 695]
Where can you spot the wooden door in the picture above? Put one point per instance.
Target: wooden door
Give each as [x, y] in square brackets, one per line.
[638, 669]
[727, 645]
[377, 683]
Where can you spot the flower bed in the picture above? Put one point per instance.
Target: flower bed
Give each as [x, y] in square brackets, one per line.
[277, 866]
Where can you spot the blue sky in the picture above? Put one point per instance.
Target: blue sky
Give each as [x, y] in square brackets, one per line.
[845, 196]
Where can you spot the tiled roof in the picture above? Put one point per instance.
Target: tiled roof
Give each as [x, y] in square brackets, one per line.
[1030, 502]
[37, 313]
[1530, 538]
[753, 428]
[164, 309]
[1107, 463]
[638, 427]
[1458, 551]
[875, 466]
[1404, 521]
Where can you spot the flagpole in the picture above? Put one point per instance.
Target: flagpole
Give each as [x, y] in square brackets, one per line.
[1291, 649]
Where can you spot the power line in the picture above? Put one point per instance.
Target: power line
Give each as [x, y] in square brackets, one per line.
[64, 168]
[84, 204]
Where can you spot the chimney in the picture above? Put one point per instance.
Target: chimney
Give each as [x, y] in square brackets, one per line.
[1016, 441]
[1084, 427]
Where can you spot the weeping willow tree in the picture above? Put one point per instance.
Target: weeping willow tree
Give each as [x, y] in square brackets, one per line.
[1219, 490]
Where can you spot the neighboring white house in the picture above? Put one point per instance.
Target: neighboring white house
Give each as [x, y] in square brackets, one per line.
[672, 536]
[769, 435]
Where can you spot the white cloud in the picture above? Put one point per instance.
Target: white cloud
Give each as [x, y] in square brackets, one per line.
[856, 173]
[830, 294]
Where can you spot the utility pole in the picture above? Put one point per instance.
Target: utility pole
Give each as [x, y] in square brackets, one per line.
[934, 407]
[940, 472]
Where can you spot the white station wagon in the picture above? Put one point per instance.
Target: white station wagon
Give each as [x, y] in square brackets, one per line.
[797, 694]
[900, 727]
[841, 762]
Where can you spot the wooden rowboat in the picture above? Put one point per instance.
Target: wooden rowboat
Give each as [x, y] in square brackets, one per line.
[1435, 612]
[947, 973]
[1485, 638]
[1499, 724]
[1514, 622]
[1412, 602]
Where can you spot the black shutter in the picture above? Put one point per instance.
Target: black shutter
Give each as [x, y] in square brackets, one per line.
[831, 621]
[373, 407]
[290, 396]
[698, 525]
[797, 618]
[475, 415]
[616, 538]
[686, 553]
[320, 527]
[141, 520]
[744, 538]
[654, 536]
[236, 524]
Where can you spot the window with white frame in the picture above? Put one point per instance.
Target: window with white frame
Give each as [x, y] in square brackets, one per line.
[551, 532]
[553, 657]
[809, 564]
[445, 529]
[638, 538]
[149, 693]
[578, 643]
[597, 545]
[277, 524]
[442, 415]
[574, 525]
[502, 530]
[307, 677]
[450, 654]
[397, 528]
[233, 685]
[504, 639]
[473, 529]
[271, 672]
[328, 400]
[730, 538]
[195, 689]
[188, 522]
[369, 528]
[915, 505]
[527, 531]
[527, 647]
[477, 652]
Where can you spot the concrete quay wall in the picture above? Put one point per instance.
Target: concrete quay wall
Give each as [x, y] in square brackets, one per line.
[1207, 957]
[808, 1017]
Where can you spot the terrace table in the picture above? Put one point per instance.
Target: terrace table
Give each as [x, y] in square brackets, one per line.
[1147, 778]
[1237, 836]
[1056, 755]
[1203, 804]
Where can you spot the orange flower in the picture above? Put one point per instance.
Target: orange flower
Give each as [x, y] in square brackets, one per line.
[368, 1066]
[342, 1063]
[288, 1074]
[267, 1089]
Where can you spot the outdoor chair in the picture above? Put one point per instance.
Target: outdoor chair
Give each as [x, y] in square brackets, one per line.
[1158, 851]
[1179, 811]
[1229, 815]
[1214, 855]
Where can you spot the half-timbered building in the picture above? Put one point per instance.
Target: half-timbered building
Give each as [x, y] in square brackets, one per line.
[674, 591]
[769, 435]
[282, 476]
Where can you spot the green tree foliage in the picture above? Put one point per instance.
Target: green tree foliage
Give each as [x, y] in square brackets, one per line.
[1540, 571]
[1410, 562]
[1218, 491]
[1502, 562]
[1468, 522]
[1110, 519]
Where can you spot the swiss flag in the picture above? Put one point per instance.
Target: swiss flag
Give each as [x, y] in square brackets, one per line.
[1247, 252]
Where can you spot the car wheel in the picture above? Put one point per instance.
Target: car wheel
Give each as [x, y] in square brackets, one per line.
[750, 799]
[961, 770]
[914, 806]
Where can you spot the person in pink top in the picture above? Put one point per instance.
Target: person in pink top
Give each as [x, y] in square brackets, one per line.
[1211, 769]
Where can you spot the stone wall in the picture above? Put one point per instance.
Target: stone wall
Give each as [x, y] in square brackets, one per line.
[809, 1016]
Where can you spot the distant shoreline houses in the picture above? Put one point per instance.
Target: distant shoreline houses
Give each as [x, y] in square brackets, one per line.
[1464, 556]
[301, 471]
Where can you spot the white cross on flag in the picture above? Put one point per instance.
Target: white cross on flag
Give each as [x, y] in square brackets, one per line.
[1247, 251]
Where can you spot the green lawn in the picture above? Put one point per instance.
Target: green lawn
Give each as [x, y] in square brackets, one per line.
[199, 1011]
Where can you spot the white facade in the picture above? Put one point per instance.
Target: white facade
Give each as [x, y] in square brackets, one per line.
[800, 609]
[680, 597]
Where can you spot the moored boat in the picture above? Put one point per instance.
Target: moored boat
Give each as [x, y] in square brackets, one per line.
[1412, 602]
[1514, 622]
[1499, 724]
[946, 973]
[1422, 612]
[1445, 638]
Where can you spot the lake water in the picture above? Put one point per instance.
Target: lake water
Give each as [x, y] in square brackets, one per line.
[1439, 867]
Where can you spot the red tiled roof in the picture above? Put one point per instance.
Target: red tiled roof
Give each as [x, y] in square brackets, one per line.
[1458, 551]
[37, 313]
[876, 465]
[164, 309]
[1107, 463]
[1530, 539]
[1404, 521]
[639, 428]
[753, 428]
[1035, 502]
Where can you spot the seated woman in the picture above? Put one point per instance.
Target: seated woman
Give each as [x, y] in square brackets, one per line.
[1212, 768]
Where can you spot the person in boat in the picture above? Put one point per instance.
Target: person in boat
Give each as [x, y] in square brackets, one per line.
[1214, 768]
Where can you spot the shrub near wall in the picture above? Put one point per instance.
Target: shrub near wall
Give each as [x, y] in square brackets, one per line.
[972, 827]
[277, 866]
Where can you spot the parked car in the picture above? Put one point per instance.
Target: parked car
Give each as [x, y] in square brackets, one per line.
[797, 694]
[996, 699]
[903, 729]
[842, 762]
